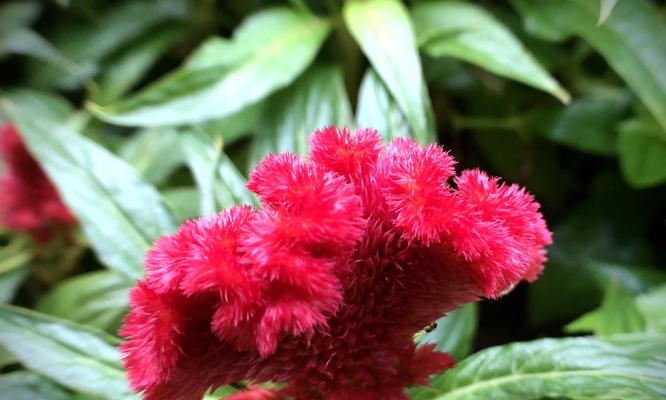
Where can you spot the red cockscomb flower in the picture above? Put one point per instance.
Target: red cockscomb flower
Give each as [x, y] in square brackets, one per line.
[28, 200]
[356, 248]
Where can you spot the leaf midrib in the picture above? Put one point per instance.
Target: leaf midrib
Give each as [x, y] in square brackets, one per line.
[481, 385]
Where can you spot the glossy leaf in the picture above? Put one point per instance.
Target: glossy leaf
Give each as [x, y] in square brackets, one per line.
[469, 32]
[316, 100]
[384, 31]
[627, 40]
[455, 332]
[77, 357]
[618, 314]
[120, 214]
[220, 184]
[575, 368]
[154, 152]
[642, 152]
[98, 299]
[23, 385]
[271, 48]
[377, 108]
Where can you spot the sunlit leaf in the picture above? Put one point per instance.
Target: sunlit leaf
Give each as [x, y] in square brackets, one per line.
[271, 48]
[384, 32]
[469, 32]
[77, 357]
[576, 368]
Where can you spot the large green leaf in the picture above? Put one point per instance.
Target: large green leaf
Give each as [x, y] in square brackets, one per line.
[30, 386]
[575, 368]
[629, 40]
[120, 214]
[455, 332]
[469, 32]
[220, 184]
[269, 50]
[642, 150]
[618, 314]
[377, 109]
[154, 152]
[96, 299]
[315, 101]
[46, 105]
[384, 32]
[77, 357]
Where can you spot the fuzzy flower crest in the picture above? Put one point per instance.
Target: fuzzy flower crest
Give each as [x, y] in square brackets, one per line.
[354, 250]
[28, 200]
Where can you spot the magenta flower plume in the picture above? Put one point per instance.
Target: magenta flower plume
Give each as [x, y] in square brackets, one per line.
[28, 200]
[355, 249]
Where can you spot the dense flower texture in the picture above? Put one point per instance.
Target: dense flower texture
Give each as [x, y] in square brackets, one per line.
[354, 250]
[28, 200]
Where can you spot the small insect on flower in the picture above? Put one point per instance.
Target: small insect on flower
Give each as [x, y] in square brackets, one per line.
[431, 327]
[28, 200]
[355, 249]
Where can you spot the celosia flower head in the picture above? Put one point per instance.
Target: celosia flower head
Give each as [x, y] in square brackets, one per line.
[356, 248]
[28, 200]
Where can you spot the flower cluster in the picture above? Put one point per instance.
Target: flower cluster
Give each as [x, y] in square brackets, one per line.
[28, 200]
[355, 248]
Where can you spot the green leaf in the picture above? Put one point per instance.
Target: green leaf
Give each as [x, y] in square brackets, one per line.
[642, 152]
[25, 41]
[587, 124]
[469, 32]
[184, 201]
[628, 40]
[30, 386]
[599, 242]
[97, 299]
[606, 10]
[455, 332]
[220, 184]
[45, 104]
[574, 368]
[14, 258]
[316, 100]
[75, 356]
[271, 49]
[651, 306]
[618, 314]
[154, 152]
[90, 44]
[120, 214]
[126, 69]
[377, 109]
[384, 32]
[15, 14]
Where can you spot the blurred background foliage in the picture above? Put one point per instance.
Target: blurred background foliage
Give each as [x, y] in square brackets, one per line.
[147, 113]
